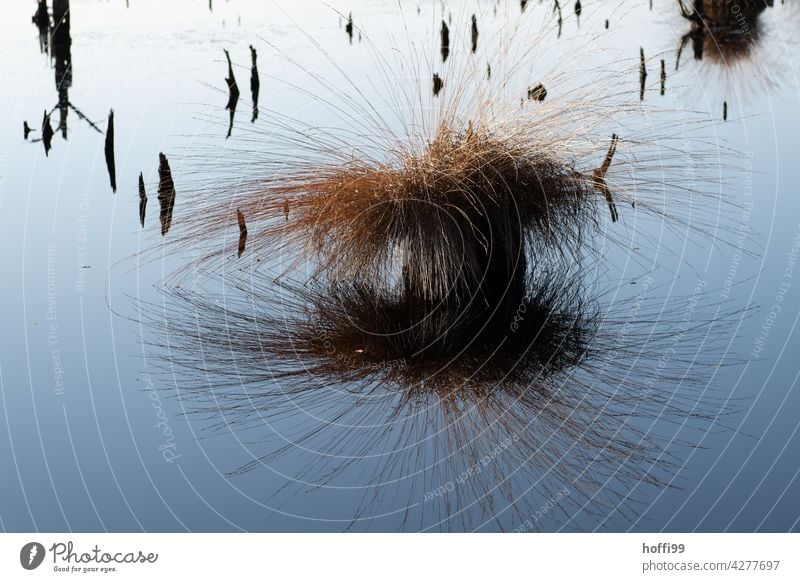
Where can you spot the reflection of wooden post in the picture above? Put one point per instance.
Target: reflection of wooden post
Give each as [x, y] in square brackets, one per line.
[61, 20]
[61, 44]
[42, 21]
[42, 18]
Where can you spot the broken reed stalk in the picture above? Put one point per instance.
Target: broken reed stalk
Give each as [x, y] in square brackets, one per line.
[242, 231]
[166, 193]
[142, 200]
[109, 152]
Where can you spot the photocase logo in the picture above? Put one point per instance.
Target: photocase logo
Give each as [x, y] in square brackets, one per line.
[31, 555]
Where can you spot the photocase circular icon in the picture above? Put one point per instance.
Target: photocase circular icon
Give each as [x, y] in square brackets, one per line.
[31, 555]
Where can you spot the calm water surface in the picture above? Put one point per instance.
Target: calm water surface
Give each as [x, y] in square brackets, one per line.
[90, 438]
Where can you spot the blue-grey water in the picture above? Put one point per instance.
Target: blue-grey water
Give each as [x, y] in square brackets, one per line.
[90, 437]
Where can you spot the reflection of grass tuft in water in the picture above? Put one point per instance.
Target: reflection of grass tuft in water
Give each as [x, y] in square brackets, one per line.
[433, 307]
[552, 391]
